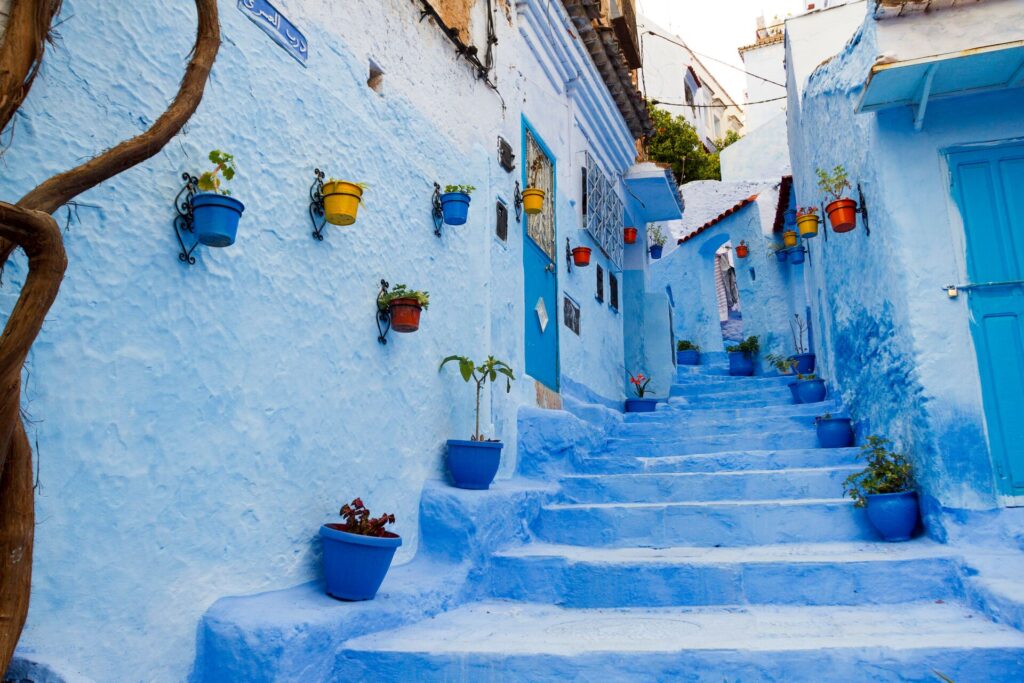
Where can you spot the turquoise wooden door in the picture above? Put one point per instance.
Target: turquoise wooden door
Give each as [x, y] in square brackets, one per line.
[988, 185]
[540, 266]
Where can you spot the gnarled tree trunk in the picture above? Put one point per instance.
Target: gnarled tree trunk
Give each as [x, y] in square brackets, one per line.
[29, 224]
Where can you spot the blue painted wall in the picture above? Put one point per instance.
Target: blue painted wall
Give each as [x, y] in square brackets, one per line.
[901, 351]
[196, 425]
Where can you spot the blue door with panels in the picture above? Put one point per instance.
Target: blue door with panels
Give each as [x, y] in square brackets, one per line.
[988, 186]
[540, 265]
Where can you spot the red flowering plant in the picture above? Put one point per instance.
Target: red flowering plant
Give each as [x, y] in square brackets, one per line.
[640, 384]
[807, 211]
[358, 521]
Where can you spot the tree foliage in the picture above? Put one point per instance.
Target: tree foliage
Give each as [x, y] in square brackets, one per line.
[675, 141]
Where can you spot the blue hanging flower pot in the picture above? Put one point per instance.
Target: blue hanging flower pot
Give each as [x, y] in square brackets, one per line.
[656, 250]
[797, 256]
[215, 218]
[781, 255]
[455, 207]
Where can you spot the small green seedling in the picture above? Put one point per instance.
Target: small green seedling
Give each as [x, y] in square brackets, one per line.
[833, 183]
[225, 167]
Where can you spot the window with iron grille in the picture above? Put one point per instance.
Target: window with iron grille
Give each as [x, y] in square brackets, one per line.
[613, 291]
[600, 283]
[602, 212]
[571, 315]
[501, 221]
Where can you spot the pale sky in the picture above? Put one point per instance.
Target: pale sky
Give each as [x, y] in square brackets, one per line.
[717, 28]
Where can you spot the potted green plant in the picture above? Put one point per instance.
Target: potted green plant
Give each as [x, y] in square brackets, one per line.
[474, 463]
[215, 214]
[658, 240]
[842, 211]
[886, 489]
[455, 203]
[358, 553]
[834, 432]
[404, 306]
[809, 389]
[687, 353]
[805, 362]
[742, 357]
[642, 403]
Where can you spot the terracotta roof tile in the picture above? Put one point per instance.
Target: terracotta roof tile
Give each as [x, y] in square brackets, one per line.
[722, 216]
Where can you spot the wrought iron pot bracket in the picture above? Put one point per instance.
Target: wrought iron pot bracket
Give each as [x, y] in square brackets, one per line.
[568, 256]
[184, 220]
[436, 211]
[383, 313]
[317, 214]
[517, 201]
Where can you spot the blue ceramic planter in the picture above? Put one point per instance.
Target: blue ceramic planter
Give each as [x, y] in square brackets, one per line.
[473, 464]
[795, 390]
[741, 364]
[355, 565]
[894, 515]
[455, 207]
[781, 255]
[216, 218]
[797, 256]
[688, 357]
[790, 217]
[656, 250]
[805, 363]
[811, 390]
[641, 405]
[835, 432]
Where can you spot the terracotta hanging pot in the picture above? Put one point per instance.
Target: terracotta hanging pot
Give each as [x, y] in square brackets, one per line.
[742, 251]
[629, 235]
[842, 214]
[405, 315]
[581, 256]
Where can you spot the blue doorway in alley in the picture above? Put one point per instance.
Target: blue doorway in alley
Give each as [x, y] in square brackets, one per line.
[988, 186]
[540, 264]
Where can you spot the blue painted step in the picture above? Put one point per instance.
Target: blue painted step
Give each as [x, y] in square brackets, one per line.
[818, 574]
[722, 461]
[715, 523]
[674, 414]
[501, 641]
[684, 445]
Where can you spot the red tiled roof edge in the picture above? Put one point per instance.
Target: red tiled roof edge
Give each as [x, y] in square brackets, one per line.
[722, 216]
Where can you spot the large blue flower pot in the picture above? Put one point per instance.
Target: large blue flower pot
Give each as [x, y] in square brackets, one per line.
[797, 256]
[794, 388]
[688, 357]
[215, 218]
[455, 207]
[894, 515]
[641, 405]
[355, 565]
[805, 363]
[656, 250]
[811, 390]
[473, 464]
[741, 364]
[835, 432]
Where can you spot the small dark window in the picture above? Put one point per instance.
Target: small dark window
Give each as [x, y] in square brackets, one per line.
[583, 174]
[600, 283]
[501, 221]
[571, 315]
[506, 157]
[613, 291]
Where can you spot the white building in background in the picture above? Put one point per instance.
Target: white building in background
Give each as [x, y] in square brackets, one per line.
[674, 77]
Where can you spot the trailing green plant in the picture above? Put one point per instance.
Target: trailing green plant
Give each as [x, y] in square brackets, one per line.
[657, 236]
[887, 472]
[687, 345]
[467, 189]
[799, 329]
[750, 346]
[783, 364]
[403, 292]
[833, 183]
[481, 374]
[359, 521]
[209, 181]
[639, 383]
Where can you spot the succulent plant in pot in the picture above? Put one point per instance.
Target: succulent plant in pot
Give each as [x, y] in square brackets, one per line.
[687, 353]
[455, 203]
[842, 211]
[404, 306]
[642, 403]
[474, 463]
[742, 356]
[886, 489]
[358, 553]
[215, 213]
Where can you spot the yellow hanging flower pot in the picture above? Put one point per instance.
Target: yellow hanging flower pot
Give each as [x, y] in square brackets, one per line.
[341, 201]
[533, 200]
[789, 238]
[807, 222]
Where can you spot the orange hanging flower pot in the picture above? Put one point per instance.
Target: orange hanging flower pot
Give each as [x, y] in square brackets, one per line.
[629, 235]
[581, 256]
[405, 314]
[742, 251]
[842, 214]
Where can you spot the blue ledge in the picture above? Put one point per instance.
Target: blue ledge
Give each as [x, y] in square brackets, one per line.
[653, 194]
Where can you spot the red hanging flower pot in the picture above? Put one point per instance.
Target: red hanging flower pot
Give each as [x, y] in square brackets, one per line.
[842, 213]
[742, 251]
[405, 314]
[581, 256]
[629, 235]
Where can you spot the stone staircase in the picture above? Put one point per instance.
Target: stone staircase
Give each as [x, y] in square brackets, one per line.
[709, 541]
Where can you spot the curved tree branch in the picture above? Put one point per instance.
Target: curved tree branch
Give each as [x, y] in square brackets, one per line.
[60, 189]
[21, 52]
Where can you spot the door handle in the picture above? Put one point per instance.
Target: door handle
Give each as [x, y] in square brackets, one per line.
[549, 268]
[953, 291]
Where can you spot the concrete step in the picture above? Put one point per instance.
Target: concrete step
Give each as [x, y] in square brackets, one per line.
[813, 574]
[710, 422]
[501, 641]
[751, 402]
[724, 441]
[676, 414]
[723, 461]
[715, 523]
[765, 385]
[813, 482]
